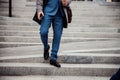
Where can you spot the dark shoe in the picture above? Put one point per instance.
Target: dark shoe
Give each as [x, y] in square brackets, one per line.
[46, 53]
[55, 63]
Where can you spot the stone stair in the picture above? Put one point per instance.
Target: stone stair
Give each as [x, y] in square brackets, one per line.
[52, 78]
[89, 47]
[91, 22]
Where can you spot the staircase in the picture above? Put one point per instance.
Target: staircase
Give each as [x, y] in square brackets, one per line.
[89, 49]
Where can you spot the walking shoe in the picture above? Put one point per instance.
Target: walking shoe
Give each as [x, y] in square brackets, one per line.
[46, 53]
[55, 63]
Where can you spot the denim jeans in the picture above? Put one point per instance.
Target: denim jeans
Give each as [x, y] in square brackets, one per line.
[57, 24]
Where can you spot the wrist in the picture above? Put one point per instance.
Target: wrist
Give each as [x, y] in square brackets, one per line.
[64, 2]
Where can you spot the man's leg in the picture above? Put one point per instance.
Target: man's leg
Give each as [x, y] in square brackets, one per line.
[57, 33]
[44, 29]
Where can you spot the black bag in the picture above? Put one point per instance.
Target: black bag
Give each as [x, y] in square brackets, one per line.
[69, 13]
[35, 18]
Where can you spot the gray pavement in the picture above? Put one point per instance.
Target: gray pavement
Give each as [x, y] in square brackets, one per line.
[75, 58]
[52, 78]
[21, 69]
[89, 49]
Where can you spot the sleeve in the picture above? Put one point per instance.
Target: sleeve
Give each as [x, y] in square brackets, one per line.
[39, 5]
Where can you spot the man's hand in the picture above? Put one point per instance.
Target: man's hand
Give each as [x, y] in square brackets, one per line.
[40, 15]
[64, 2]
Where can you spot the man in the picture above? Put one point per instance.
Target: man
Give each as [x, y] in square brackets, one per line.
[52, 11]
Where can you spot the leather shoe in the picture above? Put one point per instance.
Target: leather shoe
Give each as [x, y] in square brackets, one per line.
[46, 53]
[55, 63]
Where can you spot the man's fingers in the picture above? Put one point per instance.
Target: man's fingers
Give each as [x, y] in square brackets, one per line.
[40, 15]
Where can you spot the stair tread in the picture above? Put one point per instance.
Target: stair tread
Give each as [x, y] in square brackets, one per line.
[43, 77]
[109, 43]
[37, 31]
[80, 47]
[64, 37]
[63, 65]
[40, 55]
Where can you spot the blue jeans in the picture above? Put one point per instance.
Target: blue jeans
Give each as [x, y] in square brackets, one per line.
[57, 24]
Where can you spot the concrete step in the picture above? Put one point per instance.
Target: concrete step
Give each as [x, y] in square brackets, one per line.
[90, 46]
[17, 44]
[100, 25]
[19, 69]
[26, 23]
[4, 10]
[70, 29]
[73, 5]
[36, 27]
[116, 11]
[29, 42]
[4, 1]
[71, 58]
[77, 12]
[4, 4]
[36, 50]
[53, 78]
[65, 48]
[32, 23]
[22, 12]
[75, 23]
[82, 16]
[76, 17]
[86, 3]
[31, 34]
[80, 25]
[80, 47]
[38, 40]
[110, 4]
[84, 19]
